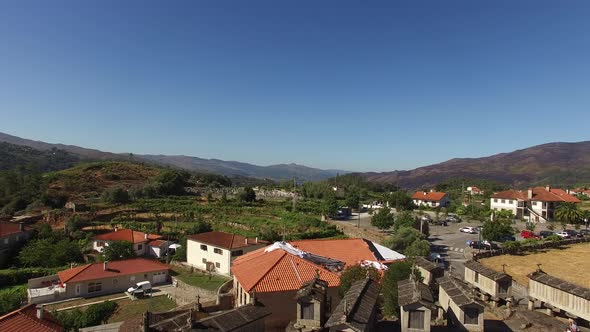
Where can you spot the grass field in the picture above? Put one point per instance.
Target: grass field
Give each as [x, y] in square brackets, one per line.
[199, 279]
[129, 309]
[571, 263]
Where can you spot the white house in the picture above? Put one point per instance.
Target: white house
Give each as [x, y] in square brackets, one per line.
[431, 198]
[215, 251]
[144, 244]
[473, 190]
[535, 204]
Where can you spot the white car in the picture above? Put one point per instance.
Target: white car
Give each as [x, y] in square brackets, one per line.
[142, 287]
[563, 234]
[469, 229]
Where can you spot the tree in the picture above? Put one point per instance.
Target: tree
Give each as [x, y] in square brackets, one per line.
[198, 227]
[355, 273]
[73, 224]
[400, 200]
[247, 195]
[116, 195]
[496, 230]
[352, 199]
[383, 219]
[50, 253]
[330, 205]
[118, 250]
[568, 213]
[396, 272]
[172, 182]
[404, 219]
[402, 239]
[418, 248]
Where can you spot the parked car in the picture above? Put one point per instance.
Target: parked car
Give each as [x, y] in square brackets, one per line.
[564, 234]
[573, 233]
[453, 218]
[528, 234]
[585, 232]
[507, 238]
[468, 229]
[142, 287]
[487, 245]
[437, 259]
[544, 234]
[426, 218]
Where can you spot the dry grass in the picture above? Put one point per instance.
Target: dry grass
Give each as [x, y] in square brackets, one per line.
[571, 263]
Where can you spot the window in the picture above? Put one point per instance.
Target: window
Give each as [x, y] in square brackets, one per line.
[237, 253]
[495, 200]
[204, 260]
[307, 310]
[416, 319]
[476, 277]
[6, 241]
[140, 246]
[503, 287]
[217, 265]
[100, 244]
[203, 247]
[94, 287]
[217, 251]
[511, 201]
[471, 316]
[145, 276]
[115, 282]
[132, 278]
[503, 201]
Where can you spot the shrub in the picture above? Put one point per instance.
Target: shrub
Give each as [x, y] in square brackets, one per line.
[12, 298]
[355, 273]
[11, 277]
[512, 245]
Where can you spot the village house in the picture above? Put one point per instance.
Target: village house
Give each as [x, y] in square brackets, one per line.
[555, 295]
[96, 279]
[358, 308]
[144, 244]
[11, 236]
[536, 204]
[464, 311]
[215, 251]
[416, 306]
[492, 285]
[473, 190]
[429, 270]
[431, 199]
[312, 304]
[273, 275]
[30, 318]
[580, 191]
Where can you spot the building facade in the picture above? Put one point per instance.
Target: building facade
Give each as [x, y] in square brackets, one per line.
[431, 199]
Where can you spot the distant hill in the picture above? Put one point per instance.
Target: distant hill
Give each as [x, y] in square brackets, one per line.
[562, 164]
[228, 168]
[12, 156]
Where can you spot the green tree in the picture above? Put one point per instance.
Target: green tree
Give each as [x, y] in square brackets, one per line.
[50, 253]
[200, 226]
[73, 224]
[355, 273]
[404, 219]
[118, 250]
[418, 248]
[402, 239]
[330, 205]
[172, 182]
[396, 272]
[383, 219]
[352, 199]
[568, 213]
[116, 195]
[400, 200]
[496, 230]
[247, 195]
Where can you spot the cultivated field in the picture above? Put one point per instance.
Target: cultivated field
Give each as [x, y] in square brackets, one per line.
[571, 263]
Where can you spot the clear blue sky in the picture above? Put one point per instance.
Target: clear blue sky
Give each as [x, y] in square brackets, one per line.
[331, 84]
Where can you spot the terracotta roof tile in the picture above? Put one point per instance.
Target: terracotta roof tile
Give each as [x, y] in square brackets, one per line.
[25, 319]
[539, 194]
[114, 268]
[428, 196]
[225, 240]
[349, 251]
[127, 235]
[511, 194]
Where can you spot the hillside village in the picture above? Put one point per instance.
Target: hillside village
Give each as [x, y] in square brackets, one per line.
[132, 246]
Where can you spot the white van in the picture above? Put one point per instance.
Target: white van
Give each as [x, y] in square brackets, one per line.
[144, 287]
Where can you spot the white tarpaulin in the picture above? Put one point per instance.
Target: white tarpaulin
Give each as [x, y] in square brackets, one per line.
[388, 254]
[376, 265]
[174, 246]
[286, 247]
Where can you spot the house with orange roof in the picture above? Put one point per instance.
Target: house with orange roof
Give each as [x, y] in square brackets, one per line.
[96, 279]
[431, 198]
[144, 244]
[273, 275]
[215, 251]
[535, 204]
[30, 318]
[12, 235]
[473, 190]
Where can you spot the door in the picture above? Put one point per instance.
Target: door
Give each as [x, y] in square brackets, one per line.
[77, 289]
[159, 277]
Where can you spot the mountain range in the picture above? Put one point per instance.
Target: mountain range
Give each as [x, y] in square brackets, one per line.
[562, 164]
[558, 164]
[229, 168]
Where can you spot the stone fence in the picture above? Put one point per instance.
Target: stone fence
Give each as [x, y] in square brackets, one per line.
[530, 247]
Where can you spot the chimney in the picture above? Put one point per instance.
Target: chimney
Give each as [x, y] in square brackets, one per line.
[105, 265]
[431, 190]
[530, 194]
[21, 226]
[40, 311]
[257, 239]
[548, 188]
[424, 193]
[116, 228]
[246, 240]
[145, 235]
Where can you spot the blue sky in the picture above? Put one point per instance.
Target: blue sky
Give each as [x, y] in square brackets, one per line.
[377, 85]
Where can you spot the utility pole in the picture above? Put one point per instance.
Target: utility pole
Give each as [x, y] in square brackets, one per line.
[294, 193]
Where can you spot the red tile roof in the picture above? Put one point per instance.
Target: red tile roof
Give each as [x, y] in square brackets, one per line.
[10, 228]
[114, 269]
[225, 240]
[127, 235]
[276, 271]
[25, 319]
[538, 194]
[428, 195]
[157, 243]
[279, 270]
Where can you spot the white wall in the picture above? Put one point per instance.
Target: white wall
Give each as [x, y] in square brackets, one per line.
[195, 255]
[504, 204]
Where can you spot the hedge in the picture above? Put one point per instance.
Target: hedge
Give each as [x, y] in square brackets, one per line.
[10, 277]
